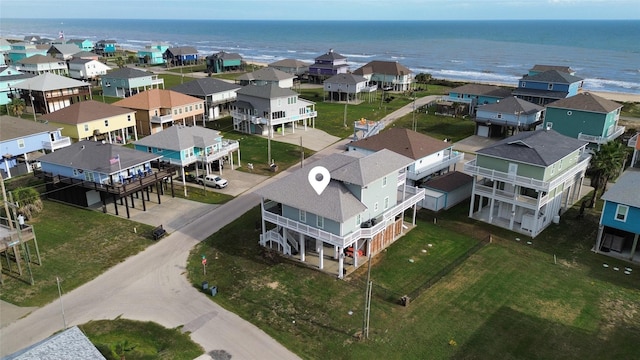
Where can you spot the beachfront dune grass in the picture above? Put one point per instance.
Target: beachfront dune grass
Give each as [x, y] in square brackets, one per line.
[508, 300]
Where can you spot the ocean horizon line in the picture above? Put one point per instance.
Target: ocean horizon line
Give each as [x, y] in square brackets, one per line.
[332, 20]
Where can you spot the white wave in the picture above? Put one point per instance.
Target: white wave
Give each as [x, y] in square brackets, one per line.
[292, 51]
[475, 76]
[456, 61]
[599, 84]
[358, 56]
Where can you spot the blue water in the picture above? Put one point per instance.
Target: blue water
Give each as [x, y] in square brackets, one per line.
[605, 53]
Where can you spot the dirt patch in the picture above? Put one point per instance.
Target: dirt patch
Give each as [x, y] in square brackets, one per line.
[616, 313]
[557, 311]
[273, 285]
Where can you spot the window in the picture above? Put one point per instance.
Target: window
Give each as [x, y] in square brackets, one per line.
[75, 172]
[524, 84]
[621, 213]
[375, 206]
[384, 181]
[550, 87]
[386, 203]
[319, 222]
[358, 220]
[175, 111]
[20, 143]
[190, 107]
[106, 123]
[302, 216]
[86, 127]
[128, 117]
[499, 116]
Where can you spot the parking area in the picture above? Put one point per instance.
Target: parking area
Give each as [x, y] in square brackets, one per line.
[239, 181]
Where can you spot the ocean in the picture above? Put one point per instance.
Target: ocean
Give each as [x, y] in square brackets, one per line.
[605, 53]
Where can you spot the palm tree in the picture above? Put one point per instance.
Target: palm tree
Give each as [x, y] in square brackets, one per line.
[17, 106]
[606, 164]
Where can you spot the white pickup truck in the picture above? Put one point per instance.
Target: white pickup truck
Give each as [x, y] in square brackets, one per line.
[212, 181]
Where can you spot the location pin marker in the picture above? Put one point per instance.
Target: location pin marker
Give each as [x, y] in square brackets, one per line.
[319, 178]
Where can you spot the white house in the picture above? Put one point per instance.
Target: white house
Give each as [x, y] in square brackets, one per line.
[82, 69]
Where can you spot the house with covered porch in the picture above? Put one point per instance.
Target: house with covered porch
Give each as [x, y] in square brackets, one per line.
[473, 95]
[48, 92]
[326, 65]
[546, 87]
[260, 109]
[388, 75]
[507, 117]
[93, 120]
[360, 212]
[619, 228]
[267, 76]
[217, 94]
[93, 173]
[158, 109]
[349, 88]
[23, 142]
[526, 181]
[223, 61]
[41, 64]
[127, 82]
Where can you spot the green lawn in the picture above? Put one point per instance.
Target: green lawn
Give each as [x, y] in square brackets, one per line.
[142, 340]
[508, 300]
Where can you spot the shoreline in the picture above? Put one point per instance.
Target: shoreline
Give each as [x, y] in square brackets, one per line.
[609, 95]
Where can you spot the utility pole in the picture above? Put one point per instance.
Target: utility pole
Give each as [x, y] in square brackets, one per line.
[415, 125]
[367, 295]
[344, 122]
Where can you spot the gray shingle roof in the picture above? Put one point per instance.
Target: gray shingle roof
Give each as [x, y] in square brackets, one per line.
[180, 137]
[85, 111]
[269, 91]
[540, 93]
[13, 127]
[292, 63]
[335, 202]
[94, 156]
[183, 50]
[626, 190]
[266, 74]
[330, 56]
[126, 73]
[350, 79]
[204, 87]
[543, 68]
[71, 344]
[586, 102]
[541, 147]
[411, 144]
[449, 181]
[225, 56]
[553, 76]
[49, 81]
[383, 67]
[481, 89]
[512, 105]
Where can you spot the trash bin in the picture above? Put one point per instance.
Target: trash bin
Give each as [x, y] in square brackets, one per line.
[214, 290]
[205, 285]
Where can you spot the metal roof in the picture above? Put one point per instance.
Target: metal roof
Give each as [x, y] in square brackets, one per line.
[179, 137]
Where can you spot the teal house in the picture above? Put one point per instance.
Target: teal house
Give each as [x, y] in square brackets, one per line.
[127, 82]
[106, 48]
[23, 50]
[524, 182]
[83, 44]
[152, 54]
[223, 61]
[587, 117]
[619, 229]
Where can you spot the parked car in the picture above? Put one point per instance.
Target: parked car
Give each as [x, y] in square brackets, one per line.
[189, 177]
[212, 181]
[217, 165]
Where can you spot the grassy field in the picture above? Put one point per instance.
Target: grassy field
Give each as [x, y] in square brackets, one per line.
[140, 340]
[508, 300]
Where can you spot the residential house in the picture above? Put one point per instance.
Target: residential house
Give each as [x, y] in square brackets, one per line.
[431, 157]
[507, 117]
[70, 343]
[217, 94]
[537, 69]
[23, 141]
[187, 145]
[349, 88]
[474, 95]
[94, 173]
[619, 228]
[20, 51]
[291, 66]
[223, 61]
[446, 191]
[152, 54]
[358, 214]
[586, 117]
[93, 120]
[388, 75]
[86, 55]
[181, 55]
[83, 69]
[106, 48]
[30, 39]
[48, 92]
[261, 108]
[327, 65]
[9, 76]
[63, 51]
[40, 64]
[546, 87]
[83, 44]
[266, 76]
[524, 182]
[5, 47]
[127, 82]
[158, 109]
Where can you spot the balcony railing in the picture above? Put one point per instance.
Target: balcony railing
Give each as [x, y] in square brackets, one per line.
[163, 119]
[227, 147]
[602, 139]
[343, 241]
[510, 197]
[56, 144]
[447, 161]
[239, 117]
[472, 169]
[633, 141]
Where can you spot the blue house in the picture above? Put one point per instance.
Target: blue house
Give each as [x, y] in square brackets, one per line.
[181, 55]
[477, 94]
[547, 87]
[620, 220]
[327, 65]
[24, 141]
[89, 173]
[152, 54]
[106, 48]
[9, 76]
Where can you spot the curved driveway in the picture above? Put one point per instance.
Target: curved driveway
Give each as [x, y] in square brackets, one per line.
[152, 286]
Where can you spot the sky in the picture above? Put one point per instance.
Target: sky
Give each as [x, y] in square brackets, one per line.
[323, 9]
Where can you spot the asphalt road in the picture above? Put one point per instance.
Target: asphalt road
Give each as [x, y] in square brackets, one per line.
[152, 286]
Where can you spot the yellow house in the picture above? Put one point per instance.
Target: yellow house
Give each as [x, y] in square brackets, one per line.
[158, 109]
[93, 120]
